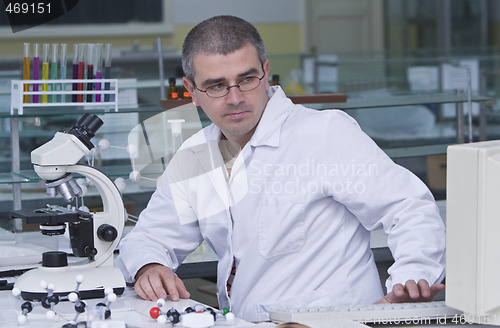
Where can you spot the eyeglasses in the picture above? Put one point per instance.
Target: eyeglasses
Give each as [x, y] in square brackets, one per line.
[221, 90]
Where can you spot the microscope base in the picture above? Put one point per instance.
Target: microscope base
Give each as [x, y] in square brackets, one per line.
[95, 280]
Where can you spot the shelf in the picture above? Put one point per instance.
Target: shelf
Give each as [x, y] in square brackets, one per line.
[28, 176]
[319, 98]
[302, 99]
[403, 100]
[172, 103]
[11, 177]
[79, 110]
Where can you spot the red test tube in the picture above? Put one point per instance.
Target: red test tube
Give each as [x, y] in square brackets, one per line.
[81, 70]
[90, 69]
[76, 48]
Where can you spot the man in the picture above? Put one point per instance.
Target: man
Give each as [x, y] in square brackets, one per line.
[285, 194]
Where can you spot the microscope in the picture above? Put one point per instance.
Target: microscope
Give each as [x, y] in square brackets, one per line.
[93, 236]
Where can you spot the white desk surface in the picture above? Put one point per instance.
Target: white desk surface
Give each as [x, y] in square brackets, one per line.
[128, 308]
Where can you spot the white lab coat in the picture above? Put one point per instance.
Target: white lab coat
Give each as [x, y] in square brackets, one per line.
[295, 214]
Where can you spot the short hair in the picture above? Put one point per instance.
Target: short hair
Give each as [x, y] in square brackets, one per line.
[219, 35]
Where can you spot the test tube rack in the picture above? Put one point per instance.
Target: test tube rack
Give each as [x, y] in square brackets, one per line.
[66, 93]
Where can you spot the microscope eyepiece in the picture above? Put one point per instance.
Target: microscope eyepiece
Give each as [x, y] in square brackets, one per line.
[85, 128]
[89, 123]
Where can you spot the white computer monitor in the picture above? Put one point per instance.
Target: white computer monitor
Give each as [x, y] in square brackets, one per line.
[473, 231]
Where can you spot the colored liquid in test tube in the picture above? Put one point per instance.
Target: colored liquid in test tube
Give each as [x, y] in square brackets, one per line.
[62, 71]
[107, 69]
[45, 71]
[90, 69]
[98, 68]
[76, 48]
[53, 71]
[36, 69]
[81, 70]
[26, 71]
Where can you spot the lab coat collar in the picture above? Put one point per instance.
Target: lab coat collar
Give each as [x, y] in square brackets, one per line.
[269, 127]
[275, 114]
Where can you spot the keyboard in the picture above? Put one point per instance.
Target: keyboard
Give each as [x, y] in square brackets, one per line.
[394, 313]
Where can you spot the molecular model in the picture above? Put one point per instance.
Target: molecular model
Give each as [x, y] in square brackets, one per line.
[198, 316]
[50, 300]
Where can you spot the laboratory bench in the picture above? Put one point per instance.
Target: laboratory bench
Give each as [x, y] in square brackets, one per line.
[128, 309]
[133, 312]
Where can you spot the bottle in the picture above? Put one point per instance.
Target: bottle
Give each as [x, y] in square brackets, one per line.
[275, 79]
[185, 93]
[176, 136]
[172, 92]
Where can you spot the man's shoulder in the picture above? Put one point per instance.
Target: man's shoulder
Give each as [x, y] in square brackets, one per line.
[329, 116]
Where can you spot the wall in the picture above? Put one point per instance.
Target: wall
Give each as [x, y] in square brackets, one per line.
[280, 23]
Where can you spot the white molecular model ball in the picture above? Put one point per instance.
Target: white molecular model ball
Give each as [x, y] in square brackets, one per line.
[112, 297]
[132, 150]
[229, 317]
[84, 208]
[93, 152]
[108, 290]
[162, 319]
[120, 184]
[104, 144]
[21, 319]
[16, 291]
[84, 190]
[72, 297]
[160, 302]
[135, 176]
[51, 315]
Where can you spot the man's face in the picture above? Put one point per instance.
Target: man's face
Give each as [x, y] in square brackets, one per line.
[238, 113]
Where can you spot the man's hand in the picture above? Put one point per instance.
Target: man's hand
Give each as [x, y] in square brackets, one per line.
[412, 292]
[154, 281]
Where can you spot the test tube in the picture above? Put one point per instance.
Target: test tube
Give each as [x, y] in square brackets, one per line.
[81, 70]
[26, 71]
[98, 68]
[62, 72]
[36, 69]
[107, 69]
[45, 71]
[90, 69]
[76, 48]
[53, 71]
